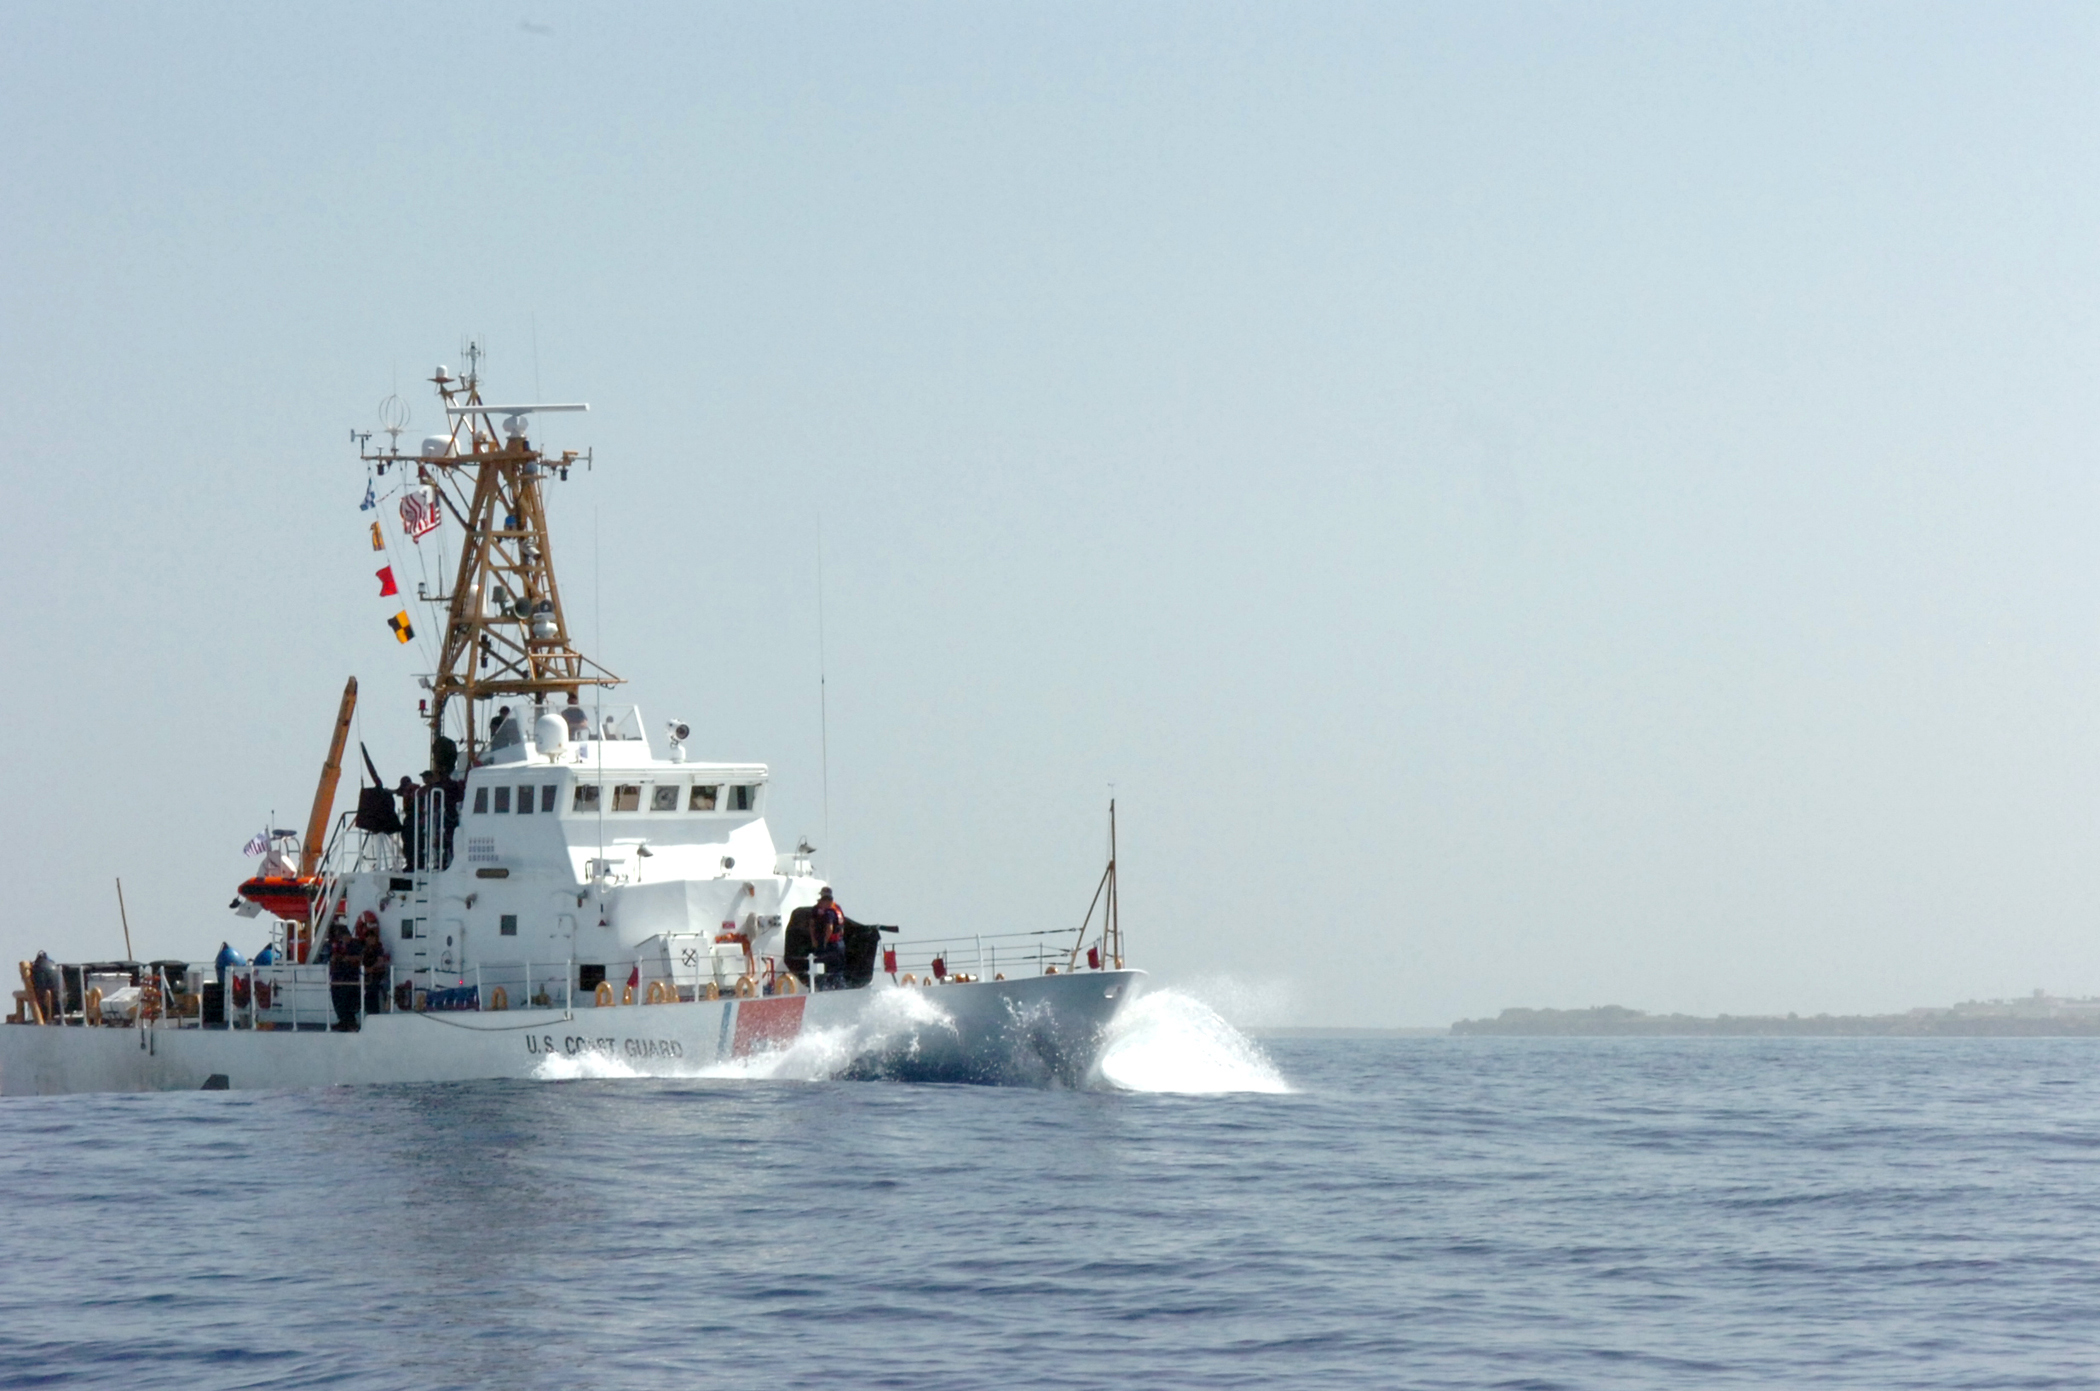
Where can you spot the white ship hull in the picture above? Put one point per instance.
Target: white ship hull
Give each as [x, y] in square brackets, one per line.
[1040, 1031]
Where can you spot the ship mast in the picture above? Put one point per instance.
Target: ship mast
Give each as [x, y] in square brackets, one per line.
[505, 634]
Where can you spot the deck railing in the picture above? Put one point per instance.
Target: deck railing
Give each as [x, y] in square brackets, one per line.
[300, 997]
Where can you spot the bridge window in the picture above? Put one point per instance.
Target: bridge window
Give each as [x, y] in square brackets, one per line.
[481, 801]
[525, 800]
[627, 796]
[507, 925]
[703, 798]
[586, 796]
[664, 797]
[502, 801]
[547, 798]
[741, 797]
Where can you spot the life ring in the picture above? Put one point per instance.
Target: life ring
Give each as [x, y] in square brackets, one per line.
[499, 998]
[626, 994]
[656, 994]
[785, 984]
[909, 979]
[602, 997]
[92, 1010]
[713, 991]
[746, 987]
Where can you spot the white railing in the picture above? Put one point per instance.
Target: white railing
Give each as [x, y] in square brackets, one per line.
[984, 956]
[300, 996]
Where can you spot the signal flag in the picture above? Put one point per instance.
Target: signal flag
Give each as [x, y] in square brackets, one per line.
[403, 631]
[386, 581]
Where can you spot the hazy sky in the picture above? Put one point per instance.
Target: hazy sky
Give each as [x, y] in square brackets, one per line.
[1533, 504]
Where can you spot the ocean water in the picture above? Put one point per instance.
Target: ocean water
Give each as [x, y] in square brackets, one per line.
[1405, 1213]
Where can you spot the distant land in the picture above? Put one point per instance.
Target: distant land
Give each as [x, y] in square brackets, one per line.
[1302, 1031]
[2037, 1016]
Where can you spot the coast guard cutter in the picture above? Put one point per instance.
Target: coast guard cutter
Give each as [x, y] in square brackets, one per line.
[566, 890]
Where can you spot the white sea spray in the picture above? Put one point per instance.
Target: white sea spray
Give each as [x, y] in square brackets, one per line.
[1169, 1041]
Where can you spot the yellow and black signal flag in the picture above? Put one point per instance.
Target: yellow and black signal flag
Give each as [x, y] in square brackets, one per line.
[400, 624]
[378, 541]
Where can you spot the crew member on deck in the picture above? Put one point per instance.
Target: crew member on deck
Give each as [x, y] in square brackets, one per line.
[46, 982]
[410, 822]
[376, 959]
[827, 942]
[345, 966]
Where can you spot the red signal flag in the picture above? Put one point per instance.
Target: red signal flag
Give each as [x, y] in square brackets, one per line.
[386, 581]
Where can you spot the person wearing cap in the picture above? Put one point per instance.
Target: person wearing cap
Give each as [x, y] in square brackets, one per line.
[809, 928]
[409, 820]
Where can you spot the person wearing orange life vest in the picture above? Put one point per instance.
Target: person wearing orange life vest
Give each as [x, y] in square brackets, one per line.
[827, 941]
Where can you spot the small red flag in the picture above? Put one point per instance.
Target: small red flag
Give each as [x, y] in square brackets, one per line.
[889, 960]
[1093, 958]
[386, 581]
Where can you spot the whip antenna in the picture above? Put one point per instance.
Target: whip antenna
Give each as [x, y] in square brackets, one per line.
[823, 709]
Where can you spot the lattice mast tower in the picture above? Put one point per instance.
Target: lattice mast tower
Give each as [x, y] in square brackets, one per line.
[505, 634]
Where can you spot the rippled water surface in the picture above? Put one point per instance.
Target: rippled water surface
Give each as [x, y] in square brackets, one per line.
[1432, 1212]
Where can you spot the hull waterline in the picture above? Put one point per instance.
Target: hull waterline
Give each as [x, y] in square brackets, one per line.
[1041, 1031]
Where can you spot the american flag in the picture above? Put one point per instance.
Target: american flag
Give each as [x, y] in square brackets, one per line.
[419, 513]
[257, 845]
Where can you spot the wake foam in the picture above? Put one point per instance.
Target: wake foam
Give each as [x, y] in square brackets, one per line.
[584, 1067]
[1165, 1041]
[891, 1027]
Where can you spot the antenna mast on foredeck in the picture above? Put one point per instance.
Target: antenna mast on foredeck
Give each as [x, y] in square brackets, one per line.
[504, 630]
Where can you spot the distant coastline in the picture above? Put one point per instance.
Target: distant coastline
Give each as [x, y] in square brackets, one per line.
[2038, 1016]
[1322, 1032]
